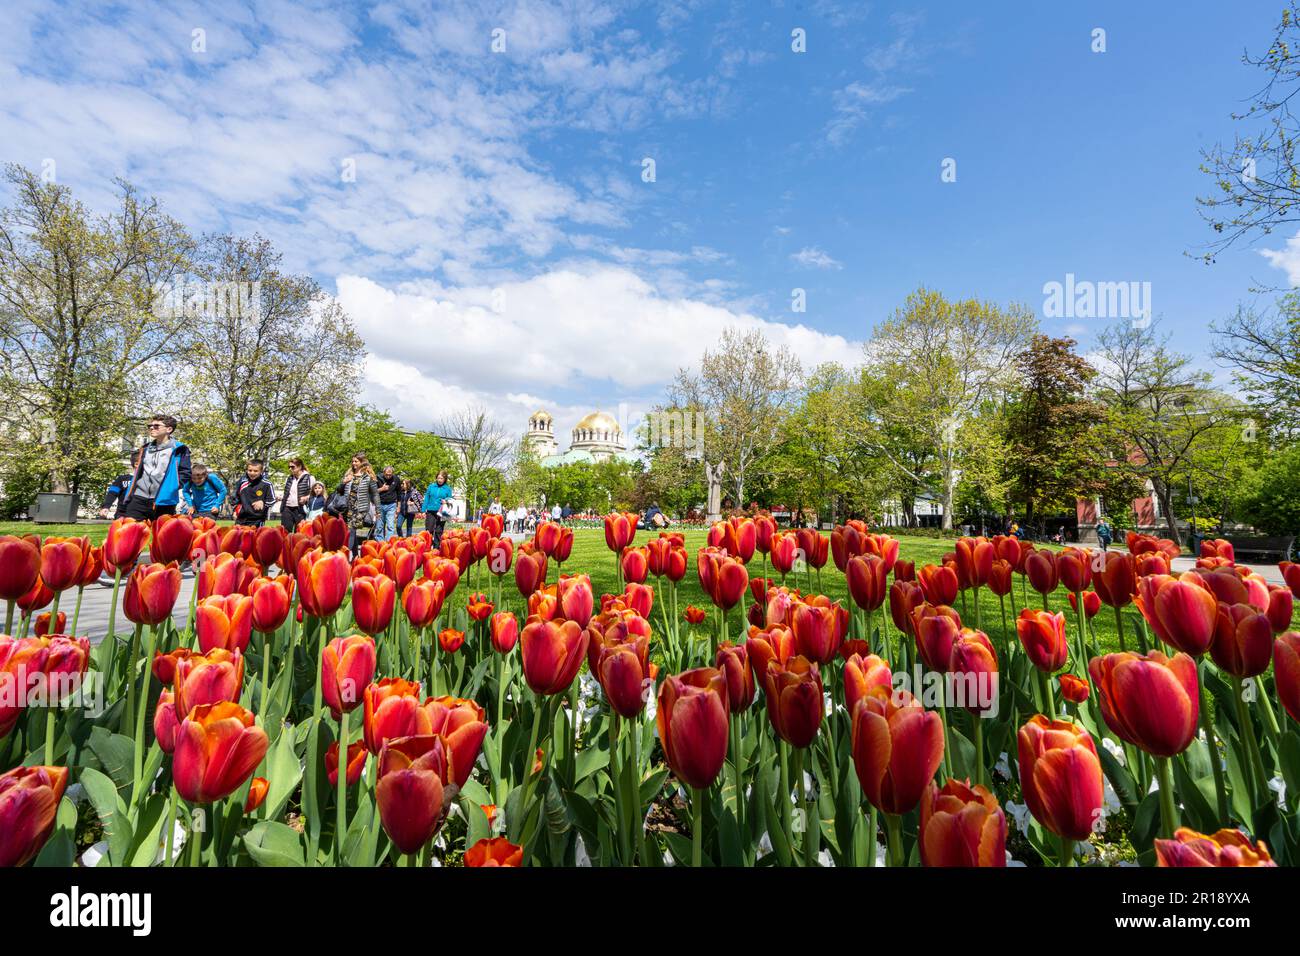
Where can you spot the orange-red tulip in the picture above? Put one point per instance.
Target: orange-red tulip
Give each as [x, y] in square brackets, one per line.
[373, 601]
[575, 598]
[225, 574]
[1000, 573]
[1042, 634]
[1074, 689]
[357, 755]
[733, 661]
[29, 804]
[794, 699]
[500, 555]
[973, 658]
[897, 746]
[814, 546]
[207, 679]
[1042, 571]
[636, 565]
[975, 560]
[961, 825]
[1116, 581]
[422, 600]
[692, 722]
[620, 529]
[904, 598]
[551, 653]
[323, 582]
[694, 615]
[1290, 574]
[938, 583]
[392, 709]
[723, 578]
[1227, 848]
[863, 671]
[935, 628]
[784, 549]
[1286, 672]
[271, 599]
[125, 540]
[1074, 569]
[494, 851]
[151, 593]
[462, 728]
[409, 790]
[165, 722]
[61, 560]
[530, 570]
[867, 579]
[225, 622]
[1060, 776]
[1151, 701]
[43, 624]
[1091, 602]
[258, 788]
[1181, 612]
[218, 746]
[504, 628]
[347, 666]
[451, 640]
[1281, 608]
[1243, 640]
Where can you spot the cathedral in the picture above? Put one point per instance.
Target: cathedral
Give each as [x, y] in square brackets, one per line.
[597, 437]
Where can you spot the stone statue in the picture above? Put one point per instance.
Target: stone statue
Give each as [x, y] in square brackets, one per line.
[713, 477]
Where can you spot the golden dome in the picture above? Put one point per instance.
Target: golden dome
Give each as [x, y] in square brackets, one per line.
[598, 422]
[542, 414]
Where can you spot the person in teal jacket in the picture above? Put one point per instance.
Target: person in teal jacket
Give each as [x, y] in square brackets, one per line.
[435, 496]
[204, 493]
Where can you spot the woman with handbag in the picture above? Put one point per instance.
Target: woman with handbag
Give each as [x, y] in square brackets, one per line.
[361, 486]
[408, 506]
[437, 507]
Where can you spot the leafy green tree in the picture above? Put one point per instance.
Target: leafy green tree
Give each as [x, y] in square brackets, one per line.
[1270, 495]
[1264, 352]
[327, 449]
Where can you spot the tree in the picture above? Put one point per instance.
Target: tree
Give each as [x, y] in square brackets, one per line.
[483, 449]
[1166, 414]
[327, 449]
[744, 387]
[1264, 351]
[1052, 455]
[266, 364]
[1270, 498]
[1257, 178]
[526, 479]
[936, 364]
[82, 344]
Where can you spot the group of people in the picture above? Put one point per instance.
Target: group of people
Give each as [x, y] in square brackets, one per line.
[163, 480]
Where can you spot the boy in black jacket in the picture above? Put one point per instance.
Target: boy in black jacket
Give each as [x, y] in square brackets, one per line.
[253, 495]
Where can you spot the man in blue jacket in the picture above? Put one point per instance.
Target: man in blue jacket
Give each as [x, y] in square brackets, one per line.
[436, 496]
[164, 467]
[204, 493]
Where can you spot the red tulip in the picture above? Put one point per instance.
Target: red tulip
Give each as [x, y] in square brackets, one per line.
[125, 540]
[493, 524]
[1290, 574]
[1074, 568]
[818, 631]
[573, 592]
[1150, 562]
[636, 565]
[1152, 701]
[1217, 548]
[392, 709]
[975, 560]
[622, 667]
[904, 598]
[373, 601]
[218, 746]
[897, 746]
[1060, 776]
[530, 570]
[29, 804]
[694, 615]
[151, 593]
[268, 544]
[1181, 612]
[867, 577]
[551, 653]
[504, 628]
[904, 570]
[1000, 577]
[1091, 603]
[1042, 571]
[35, 599]
[961, 825]
[935, 629]
[409, 790]
[92, 566]
[620, 530]
[500, 555]
[1074, 689]
[494, 851]
[258, 788]
[357, 755]
[973, 658]
[207, 679]
[295, 546]
[1243, 640]
[724, 578]
[323, 582]
[764, 528]
[794, 699]
[400, 564]
[814, 546]
[1042, 634]
[939, 583]
[165, 722]
[332, 531]
[1227, 848]
[20, 565]
[742, 540]
[547, 537]
[863, 671]
[61, 560]
[1286, 673]
[1116, 580]
[462, 728]
[225, 622]
[347, 666]
[692, 722]
[451, 640]
[422, 600]
[733, 661]
[271, 599]
[1281, 608]
[784, 549]
[43, 624]
[225, 574]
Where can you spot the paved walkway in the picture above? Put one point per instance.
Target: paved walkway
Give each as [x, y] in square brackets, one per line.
[94, 610]
[1269, 572]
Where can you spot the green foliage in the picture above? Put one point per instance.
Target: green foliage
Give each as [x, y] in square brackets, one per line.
[327, 449]
[1270, 498]
[599, 486]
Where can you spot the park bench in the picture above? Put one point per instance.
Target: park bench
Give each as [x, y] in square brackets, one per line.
[1276, 547]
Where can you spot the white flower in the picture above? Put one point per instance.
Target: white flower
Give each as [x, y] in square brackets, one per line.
[179, 835]
[1019, 814]
[1012, 861]
[1003, 767]
[1278, 786]
[580, 856]
[882, 855]
[827, 703]
[94, 853]
[1115, 750]
[652, 708]
[824, 858]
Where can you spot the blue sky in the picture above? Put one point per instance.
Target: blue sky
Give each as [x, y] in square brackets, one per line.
[498, 245]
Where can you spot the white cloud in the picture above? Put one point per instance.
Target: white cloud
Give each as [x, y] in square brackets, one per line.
[1287, 259]
[815, 258]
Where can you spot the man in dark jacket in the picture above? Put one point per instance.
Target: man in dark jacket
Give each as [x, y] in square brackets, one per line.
[163, 468]
[390, 489]
[297, 492]
[118, 489]
[253, 495]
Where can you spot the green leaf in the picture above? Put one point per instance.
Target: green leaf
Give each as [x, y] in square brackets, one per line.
[591, 760]
[1121, 780]
[148, 831]
[271, 843]
[283, 773]
[60, 850]
[103, 796]
[113, 754]
[1191, 793]
[1290, 761]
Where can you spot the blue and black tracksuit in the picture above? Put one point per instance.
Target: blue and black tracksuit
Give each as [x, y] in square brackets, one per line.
[206, 498]
[175, 473]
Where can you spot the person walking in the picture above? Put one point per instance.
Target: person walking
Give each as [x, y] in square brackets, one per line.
[204, 493]
[317, 502]
[253, 495]
[118, 489]
[297, 489]
[164, 466]
[408, 506]
[360, 485]
[390, 490]
[1105, 534]
[437, 507]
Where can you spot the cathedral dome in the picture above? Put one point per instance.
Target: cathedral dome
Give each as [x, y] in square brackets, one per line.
[598, 422]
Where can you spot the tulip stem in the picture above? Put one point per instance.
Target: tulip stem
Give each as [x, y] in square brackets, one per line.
[517, 822]
[1168, 810]
[1119, 628]
[873, 831]
[76, 611]
[620, 812]
[341, 825]
[312, 768]
[785, 790]
[291, 623]
[1067, 853]
[1216, 765]
[894, 827]
[169, 834]
[51, 713]
[1252, 742]
[810, 823]
[128, 718]
[137, 762]
[979, 747]
[194, 836]
[697, 829]
[733, 740]
[1049, 701]
[9, 617]
[266, 671]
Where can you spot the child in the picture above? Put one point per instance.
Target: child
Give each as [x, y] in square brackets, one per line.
[253, 495]
[316, 502]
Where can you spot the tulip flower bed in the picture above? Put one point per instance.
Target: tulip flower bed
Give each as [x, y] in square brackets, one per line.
[742, 696]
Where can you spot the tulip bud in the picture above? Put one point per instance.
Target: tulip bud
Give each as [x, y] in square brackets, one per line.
[347, 667]
[29, 805]
[218, 746]
[1151, 701]
[693, 726]
[897, 745]
[1060, 776]
[961, 825]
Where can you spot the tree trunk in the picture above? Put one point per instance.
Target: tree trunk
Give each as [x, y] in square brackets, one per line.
[948, 494]
[1166, 509]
